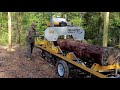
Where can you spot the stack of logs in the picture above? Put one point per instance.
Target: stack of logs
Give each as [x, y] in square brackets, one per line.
[98, 54]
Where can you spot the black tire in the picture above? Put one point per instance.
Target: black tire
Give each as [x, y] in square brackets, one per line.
[42, 54]
[62, 73]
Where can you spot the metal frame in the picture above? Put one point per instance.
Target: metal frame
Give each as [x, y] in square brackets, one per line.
[73, 62]
[52, 33]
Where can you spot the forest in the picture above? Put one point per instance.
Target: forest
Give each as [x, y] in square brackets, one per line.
[92, 22]
[101, 45]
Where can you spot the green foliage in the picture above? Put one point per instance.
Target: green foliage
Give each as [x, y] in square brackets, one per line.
[3, 28]
[91, 25]
[89, 21]
[114, 29]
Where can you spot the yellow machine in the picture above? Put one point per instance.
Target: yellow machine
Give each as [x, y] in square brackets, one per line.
[68, 63]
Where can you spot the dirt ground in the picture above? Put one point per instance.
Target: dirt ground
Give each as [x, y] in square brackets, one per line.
[15, 65]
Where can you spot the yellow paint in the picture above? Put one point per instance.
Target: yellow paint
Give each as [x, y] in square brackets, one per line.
[40, 42]
[68, 58]
[55, 49]
[49, 47]
[55, 23]
[97, 67]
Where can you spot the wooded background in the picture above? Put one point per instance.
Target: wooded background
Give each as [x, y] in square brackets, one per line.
[101, 28]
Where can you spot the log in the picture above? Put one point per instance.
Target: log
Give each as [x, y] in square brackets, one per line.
[90, 53]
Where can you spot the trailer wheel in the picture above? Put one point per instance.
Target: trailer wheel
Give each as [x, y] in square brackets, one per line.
[62, 69]
[42, 54]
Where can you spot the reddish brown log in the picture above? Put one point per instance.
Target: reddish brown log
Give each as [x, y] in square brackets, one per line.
[97, 54]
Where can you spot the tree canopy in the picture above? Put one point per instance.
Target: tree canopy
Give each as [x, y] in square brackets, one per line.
[91, 22]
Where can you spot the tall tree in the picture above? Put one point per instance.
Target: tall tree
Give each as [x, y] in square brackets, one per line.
[105, 32]
[119, 39]
[9, 31]
[91, 22]
[100, 23]
[100, 28]
[65, 16]
[19, 21]
[119, 33]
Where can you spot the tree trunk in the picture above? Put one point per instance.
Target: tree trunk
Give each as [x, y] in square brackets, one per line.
[65, 36]
[9, 31]
[119, 39]
[90, 53]
[100, 29]
[51, 16]
[18, 27]
[105, 33]
[119, 35]
[81, 16]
